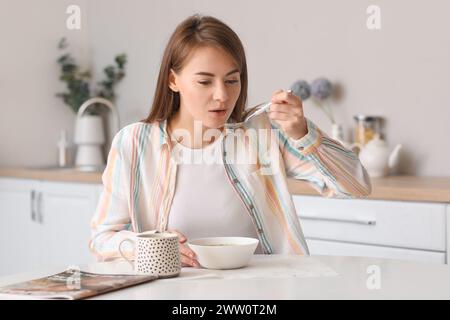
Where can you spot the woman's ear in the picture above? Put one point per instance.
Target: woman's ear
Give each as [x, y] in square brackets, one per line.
[173, 81]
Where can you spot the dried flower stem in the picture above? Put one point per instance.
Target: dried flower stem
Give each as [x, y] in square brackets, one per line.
[326, 109]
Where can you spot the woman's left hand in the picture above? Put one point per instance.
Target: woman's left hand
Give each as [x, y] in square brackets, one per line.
[287, 111]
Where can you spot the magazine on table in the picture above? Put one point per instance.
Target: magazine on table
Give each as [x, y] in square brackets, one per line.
[72, 284]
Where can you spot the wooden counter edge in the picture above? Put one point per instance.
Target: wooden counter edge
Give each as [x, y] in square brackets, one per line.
[65, 175]
[398, 188]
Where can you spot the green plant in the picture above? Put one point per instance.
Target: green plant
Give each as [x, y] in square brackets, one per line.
[113, 76]
[77, 80]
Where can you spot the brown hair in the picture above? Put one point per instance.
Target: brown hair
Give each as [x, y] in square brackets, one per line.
[194, 32]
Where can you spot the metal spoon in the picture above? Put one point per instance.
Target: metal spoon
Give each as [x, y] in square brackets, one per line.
[262, 107]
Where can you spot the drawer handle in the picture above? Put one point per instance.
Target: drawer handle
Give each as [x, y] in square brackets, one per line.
[32, 205]
[311, 216]
[40, 217]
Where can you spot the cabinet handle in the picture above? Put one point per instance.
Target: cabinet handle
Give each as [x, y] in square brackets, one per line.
[40, 216]
[365, 221]
[32, 205]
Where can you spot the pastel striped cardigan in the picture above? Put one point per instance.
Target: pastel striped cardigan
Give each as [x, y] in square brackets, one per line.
[139, 182]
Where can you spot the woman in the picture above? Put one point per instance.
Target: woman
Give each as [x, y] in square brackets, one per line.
[202, 86]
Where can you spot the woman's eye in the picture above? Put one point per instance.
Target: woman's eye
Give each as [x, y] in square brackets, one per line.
[204, 83]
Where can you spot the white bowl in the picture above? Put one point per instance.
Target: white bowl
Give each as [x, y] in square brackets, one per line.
[223, 252]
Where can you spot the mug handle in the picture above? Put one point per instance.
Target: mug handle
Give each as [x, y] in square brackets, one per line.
[122, 254]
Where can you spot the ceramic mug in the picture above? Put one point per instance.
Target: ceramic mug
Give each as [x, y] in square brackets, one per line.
[156, 253]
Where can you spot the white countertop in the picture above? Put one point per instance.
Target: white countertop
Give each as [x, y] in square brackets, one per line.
[285, 277]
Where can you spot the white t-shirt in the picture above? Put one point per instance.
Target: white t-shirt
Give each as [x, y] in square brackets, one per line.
[205, 204]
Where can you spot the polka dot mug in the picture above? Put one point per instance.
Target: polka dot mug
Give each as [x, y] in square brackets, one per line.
[156, 253]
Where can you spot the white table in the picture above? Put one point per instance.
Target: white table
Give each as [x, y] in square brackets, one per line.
[287, 277]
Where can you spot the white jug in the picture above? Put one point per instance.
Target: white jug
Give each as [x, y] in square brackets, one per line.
[90, 137]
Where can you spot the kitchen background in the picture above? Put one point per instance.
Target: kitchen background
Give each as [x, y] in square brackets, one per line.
[400, 72]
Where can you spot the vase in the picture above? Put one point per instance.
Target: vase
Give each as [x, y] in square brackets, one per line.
[89, 138]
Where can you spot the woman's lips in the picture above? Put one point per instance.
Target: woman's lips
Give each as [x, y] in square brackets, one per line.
[218, 113]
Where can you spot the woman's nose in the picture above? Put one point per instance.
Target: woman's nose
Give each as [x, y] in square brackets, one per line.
[220, 93]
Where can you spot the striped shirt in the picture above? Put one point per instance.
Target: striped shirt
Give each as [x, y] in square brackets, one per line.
[140, 176]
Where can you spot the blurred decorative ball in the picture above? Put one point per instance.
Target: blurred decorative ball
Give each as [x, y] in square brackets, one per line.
[321, 88]
[301, 89]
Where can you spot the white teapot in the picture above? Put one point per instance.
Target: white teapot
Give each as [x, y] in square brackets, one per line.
[376, 157]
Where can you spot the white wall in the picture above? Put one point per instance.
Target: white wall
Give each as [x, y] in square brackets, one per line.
[31, 117]
[400, 72]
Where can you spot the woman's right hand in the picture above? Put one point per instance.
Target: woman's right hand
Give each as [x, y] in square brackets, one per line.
[188, 258]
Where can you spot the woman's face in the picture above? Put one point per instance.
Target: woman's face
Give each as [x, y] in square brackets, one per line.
[209, 86]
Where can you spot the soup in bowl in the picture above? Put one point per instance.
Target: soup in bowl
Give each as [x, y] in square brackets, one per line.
[223, 252]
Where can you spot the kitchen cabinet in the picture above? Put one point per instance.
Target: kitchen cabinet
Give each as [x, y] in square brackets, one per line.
[44, 224]
[337, 248]
[65, 211]
[448, 235]
[403, 230]
[18, 228]
[42, 213]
